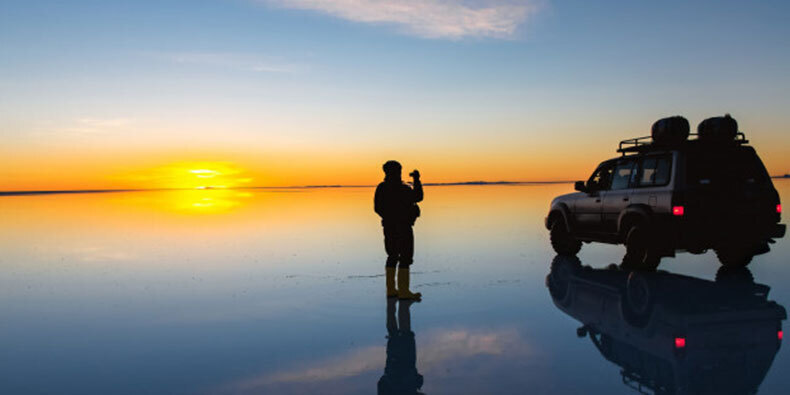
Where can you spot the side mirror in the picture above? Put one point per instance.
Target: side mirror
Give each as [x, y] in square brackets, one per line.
[579, 186]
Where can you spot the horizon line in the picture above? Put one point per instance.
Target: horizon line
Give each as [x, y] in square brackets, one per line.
[327, 186]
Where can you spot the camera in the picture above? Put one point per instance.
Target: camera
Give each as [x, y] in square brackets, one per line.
[414, 174]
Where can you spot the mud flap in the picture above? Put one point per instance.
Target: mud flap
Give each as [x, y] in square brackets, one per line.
[779, 231]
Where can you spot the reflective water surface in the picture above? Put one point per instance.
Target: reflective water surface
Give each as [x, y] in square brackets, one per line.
[282, 291]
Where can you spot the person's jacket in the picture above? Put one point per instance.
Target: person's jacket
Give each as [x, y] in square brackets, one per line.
[396, 202]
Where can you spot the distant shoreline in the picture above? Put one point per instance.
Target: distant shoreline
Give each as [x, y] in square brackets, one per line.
[428, 184]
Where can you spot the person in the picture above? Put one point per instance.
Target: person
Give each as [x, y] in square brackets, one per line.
[400, 371]
[396, 204]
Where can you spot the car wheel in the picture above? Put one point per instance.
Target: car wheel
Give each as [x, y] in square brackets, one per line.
[563, 270]
[639, 300]
[638, 253]
[734, 276]
[734, 255]
[562, 241]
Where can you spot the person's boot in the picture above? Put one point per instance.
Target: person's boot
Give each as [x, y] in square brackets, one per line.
[392, 323]
[391, 291]
[403, 285]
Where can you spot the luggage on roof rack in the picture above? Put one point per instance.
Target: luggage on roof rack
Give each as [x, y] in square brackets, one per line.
[673, 131]
[646, 143]
[718, 129]
[670, 131]
[666, 132]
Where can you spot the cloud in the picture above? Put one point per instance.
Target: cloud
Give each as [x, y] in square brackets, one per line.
[236, 61]
[439, 348]
[96, 126]
[429, 18]
[101, 254]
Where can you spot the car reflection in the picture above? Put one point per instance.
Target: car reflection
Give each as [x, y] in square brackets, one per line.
[673, 334]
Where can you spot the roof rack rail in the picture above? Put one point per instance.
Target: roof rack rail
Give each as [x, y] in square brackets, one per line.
[646, 143]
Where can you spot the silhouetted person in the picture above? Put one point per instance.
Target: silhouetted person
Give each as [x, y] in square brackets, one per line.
[400, 373]
[396, 204]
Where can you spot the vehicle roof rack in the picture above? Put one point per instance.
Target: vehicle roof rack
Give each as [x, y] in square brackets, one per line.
[646, 143]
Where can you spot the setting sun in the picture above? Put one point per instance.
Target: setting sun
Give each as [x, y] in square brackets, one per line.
[192, 175]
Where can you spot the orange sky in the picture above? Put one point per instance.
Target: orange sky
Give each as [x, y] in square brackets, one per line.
[83, 166]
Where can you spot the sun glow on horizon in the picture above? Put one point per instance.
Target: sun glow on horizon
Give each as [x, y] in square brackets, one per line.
[193, 175]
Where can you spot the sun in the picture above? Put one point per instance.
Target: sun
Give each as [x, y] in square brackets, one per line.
[193, 175]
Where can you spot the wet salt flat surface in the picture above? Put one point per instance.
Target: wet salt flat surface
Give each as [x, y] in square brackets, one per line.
[283, 292]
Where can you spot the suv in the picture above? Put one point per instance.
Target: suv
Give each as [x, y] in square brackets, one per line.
[673, 192]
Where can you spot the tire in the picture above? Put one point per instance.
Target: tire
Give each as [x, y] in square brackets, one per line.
[734, 276]
[563, 270]
[639, 300]
[735, 255]
[638, 253]
[562, 241]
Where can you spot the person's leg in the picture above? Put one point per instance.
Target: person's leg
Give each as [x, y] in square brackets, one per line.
[406, 247]
[391, 247]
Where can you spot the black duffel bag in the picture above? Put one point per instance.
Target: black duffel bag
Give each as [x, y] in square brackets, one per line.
[671, 130]
[718, 129]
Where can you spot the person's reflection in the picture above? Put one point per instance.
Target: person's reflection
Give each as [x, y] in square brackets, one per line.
[672, 333]
[400, 373]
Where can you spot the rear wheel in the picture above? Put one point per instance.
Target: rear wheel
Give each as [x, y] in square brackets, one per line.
[562, 241]
[638, 303]
[734, 276]
[735, 255]
[639, 253]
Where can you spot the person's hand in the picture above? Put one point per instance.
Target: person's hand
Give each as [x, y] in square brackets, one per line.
[415, 174]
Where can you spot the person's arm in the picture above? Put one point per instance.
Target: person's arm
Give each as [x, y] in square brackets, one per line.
[378, 202]
[417, 187]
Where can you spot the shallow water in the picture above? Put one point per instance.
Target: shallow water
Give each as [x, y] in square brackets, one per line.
[282, 291]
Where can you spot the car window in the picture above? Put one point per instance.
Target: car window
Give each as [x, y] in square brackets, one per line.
[602, 178]
[655, 171]
[622, 175]
[725, 168]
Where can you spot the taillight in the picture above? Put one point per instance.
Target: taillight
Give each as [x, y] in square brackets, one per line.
[680, 342]
[778, 208]
[779, 335]
[678, 211]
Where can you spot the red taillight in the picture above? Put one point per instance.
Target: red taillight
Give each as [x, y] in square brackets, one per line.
[678, 211]
[778, 208]
[680, 342]
[779, 335]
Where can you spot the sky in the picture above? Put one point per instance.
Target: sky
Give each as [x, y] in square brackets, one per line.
[138, 94]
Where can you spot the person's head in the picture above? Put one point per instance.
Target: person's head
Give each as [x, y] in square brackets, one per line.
[392, 170]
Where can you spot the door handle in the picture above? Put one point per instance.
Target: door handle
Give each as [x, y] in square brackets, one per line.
[625, 199]
[597, 200]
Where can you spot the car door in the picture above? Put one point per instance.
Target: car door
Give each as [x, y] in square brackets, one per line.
[618, 196]
[588, 207]
[651, 184]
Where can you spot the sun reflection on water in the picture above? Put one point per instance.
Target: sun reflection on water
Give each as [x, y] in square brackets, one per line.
[205, 200]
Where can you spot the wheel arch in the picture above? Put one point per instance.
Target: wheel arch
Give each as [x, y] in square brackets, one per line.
[637, 213]
[559, 212]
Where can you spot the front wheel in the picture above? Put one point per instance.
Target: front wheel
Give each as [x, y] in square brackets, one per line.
[638, 252]
[562, 241]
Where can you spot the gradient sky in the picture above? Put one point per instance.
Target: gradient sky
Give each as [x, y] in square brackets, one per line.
[108, 94]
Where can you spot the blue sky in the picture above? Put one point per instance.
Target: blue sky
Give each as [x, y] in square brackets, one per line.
[467, 76]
